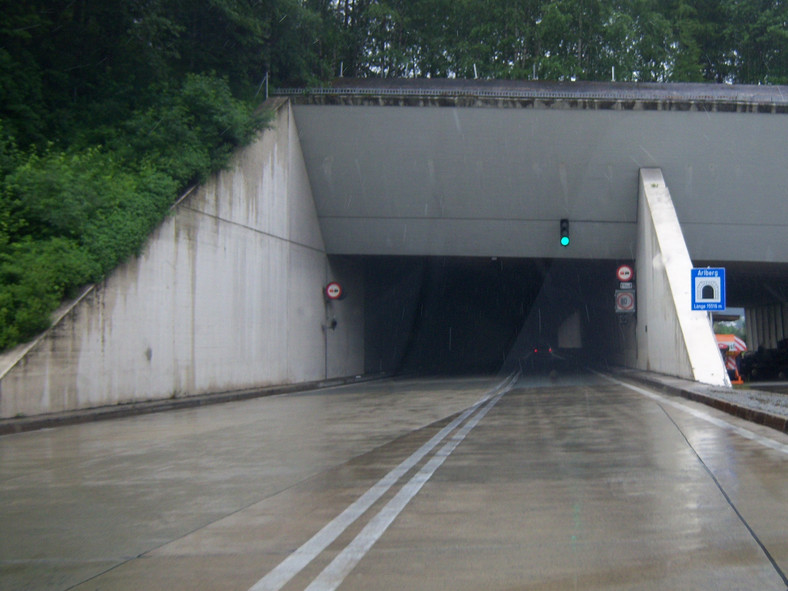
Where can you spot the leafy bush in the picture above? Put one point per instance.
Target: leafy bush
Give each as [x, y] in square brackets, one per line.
[68, 217]
[34, 277]
[190, 132]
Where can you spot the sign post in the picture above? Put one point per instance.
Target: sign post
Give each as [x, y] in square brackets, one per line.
[708, 289]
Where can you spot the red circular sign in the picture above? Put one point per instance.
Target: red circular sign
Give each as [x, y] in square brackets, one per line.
[625, 273]
[625, 301]
[333, 291]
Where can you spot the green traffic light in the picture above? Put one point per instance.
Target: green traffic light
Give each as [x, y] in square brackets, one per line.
[564, 232]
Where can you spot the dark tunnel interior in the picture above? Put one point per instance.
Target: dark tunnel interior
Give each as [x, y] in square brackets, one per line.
[453, 315]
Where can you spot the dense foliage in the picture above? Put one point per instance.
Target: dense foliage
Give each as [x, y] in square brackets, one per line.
[108, 109]
[744, 41]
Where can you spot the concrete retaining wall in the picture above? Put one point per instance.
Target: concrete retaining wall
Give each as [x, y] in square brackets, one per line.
[671, 338]
[226, 295]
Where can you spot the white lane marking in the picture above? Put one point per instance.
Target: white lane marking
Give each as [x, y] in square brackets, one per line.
[765, 441]
[332, 576]
[298, 560]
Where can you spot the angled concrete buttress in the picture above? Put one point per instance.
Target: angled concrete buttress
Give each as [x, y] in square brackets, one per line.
[671, 338]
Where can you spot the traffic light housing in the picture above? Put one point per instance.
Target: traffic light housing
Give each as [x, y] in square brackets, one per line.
[564, 233]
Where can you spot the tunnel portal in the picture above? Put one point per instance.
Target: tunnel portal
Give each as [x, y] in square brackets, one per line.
[479, 314]
[438, 206]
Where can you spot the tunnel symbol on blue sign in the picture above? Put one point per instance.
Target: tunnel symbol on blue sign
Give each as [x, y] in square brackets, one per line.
[708, 289]
[710, 292]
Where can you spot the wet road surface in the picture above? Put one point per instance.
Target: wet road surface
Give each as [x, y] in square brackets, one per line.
[578, 482]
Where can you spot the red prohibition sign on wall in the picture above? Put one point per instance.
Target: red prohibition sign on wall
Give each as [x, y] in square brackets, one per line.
[333, 291]
[625, 301]
[624, 273]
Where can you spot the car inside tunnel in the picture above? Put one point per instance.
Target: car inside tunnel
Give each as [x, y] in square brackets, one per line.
[460, 315]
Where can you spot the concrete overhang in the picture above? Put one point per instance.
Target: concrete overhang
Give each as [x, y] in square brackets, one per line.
[488, 168]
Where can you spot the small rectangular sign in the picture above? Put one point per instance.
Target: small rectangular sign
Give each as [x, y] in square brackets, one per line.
[708, 288]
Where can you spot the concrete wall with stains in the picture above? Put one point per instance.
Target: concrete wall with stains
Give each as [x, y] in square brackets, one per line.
[227, 295]
[671, 338]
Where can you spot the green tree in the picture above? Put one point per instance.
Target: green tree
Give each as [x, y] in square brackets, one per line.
[700, 51]
[650, 43]
[575, 41]
[496, 39]
[757, 36]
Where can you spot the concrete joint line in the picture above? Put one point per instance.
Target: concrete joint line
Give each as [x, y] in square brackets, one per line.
[334, 573]
[661, 402]
[252, 229]
[747, 434]
[729, 501]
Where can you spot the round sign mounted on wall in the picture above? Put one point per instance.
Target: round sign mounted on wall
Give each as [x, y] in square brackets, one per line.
[625, 301]
[334, 291]
[625, 273]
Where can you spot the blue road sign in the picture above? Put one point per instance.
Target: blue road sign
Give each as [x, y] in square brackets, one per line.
[708, 289]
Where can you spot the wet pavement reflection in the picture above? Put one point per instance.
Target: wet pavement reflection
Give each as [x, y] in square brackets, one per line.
[563, 481]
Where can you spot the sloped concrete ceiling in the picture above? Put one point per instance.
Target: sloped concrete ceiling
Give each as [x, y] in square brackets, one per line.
[474, 176]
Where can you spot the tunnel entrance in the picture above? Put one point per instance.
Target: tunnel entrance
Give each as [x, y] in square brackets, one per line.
[478, 314]
[760, 291]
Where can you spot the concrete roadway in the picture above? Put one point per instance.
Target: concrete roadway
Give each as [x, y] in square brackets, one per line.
[574, 483]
